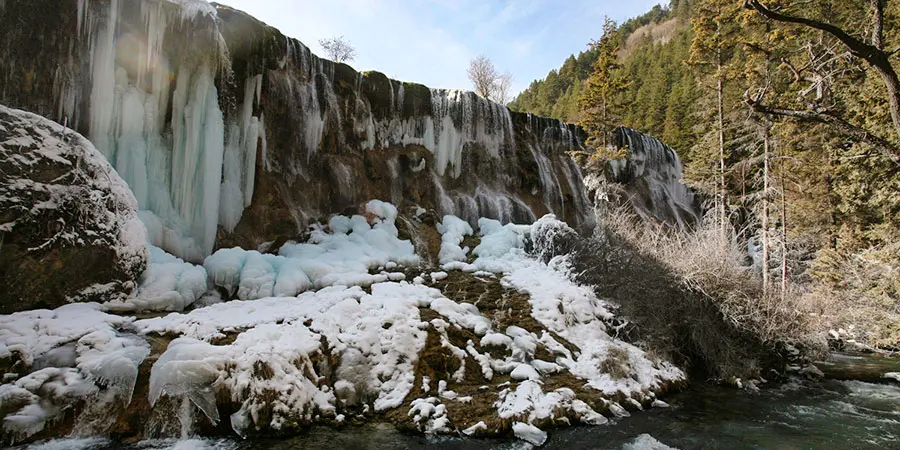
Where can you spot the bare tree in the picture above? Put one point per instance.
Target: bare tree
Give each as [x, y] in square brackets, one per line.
[502, 86]
[487, 82]
[483, 74]
[338, 49]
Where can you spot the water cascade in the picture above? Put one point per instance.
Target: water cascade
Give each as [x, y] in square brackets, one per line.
[652, 175]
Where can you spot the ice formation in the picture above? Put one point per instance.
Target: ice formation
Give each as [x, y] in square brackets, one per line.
[80, 356]
[453, 230]
[175, 166]
[529, 433]
[168, 284]
[189, 152]
[343, 255]
[652, 174]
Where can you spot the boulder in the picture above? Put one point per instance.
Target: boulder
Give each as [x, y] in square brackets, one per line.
[69, 226]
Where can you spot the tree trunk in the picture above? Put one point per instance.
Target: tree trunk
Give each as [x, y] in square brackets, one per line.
[784, 238]
[765, 212]
[720, 107]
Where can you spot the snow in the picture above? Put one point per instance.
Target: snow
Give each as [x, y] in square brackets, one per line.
[318, 333]
[524, 372]
[571, 311]
[342, 255]
[79, 354]
[30, 334]
[429, 415]
[645, 442]
[453, 230]
[438, 276]
[529, 433]
[168, 284]
[376, 337]
[475, 428]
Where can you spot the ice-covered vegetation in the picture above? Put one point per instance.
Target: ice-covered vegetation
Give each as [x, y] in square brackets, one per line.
[330, 330]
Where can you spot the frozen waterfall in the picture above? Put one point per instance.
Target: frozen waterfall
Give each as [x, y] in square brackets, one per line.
[652, 174]
[155, 115]
[230, 133]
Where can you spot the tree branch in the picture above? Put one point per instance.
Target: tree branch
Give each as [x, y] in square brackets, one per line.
[857, 47]
[855, 132]
[878, 24]
[873, 54]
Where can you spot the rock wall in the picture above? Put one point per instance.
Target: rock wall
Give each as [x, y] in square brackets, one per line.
[230, 133]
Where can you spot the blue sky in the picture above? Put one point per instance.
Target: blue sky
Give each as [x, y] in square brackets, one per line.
[432, 41]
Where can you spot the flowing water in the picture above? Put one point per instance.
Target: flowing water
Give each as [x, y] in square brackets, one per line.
[831, 414]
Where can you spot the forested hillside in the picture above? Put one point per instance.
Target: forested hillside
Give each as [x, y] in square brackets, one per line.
[781, 122]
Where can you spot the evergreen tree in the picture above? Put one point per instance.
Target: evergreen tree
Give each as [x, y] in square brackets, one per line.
[715, 37]
[602, 107]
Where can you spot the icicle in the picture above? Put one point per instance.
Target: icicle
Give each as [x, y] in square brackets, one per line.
[84, 7]
[240, 158]
[103, 69]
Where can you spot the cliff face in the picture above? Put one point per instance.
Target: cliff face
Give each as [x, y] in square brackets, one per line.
[230, 133]
[652, 176]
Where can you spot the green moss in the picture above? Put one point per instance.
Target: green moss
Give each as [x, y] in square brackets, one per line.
[416, 100]
[376, 87]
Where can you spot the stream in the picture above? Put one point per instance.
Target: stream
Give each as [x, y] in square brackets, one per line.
[840, 412]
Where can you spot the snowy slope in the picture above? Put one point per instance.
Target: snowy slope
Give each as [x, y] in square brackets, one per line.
[347, 343]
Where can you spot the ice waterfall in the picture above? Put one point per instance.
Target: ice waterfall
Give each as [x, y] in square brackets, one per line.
[230, 133]
[155, 115]
[652, 174]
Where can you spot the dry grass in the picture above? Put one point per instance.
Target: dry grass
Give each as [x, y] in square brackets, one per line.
[690, 294]
[616, 364]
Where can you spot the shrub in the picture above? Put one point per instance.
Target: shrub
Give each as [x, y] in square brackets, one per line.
[691, 297]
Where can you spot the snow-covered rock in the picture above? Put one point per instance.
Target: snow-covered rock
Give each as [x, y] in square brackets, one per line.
[340, 255]
[529, 433]
[68, 223]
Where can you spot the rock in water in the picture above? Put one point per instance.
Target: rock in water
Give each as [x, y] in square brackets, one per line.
[69, 227]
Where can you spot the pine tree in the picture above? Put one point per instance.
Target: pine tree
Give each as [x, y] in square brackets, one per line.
[715, 38]
[601, 105]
